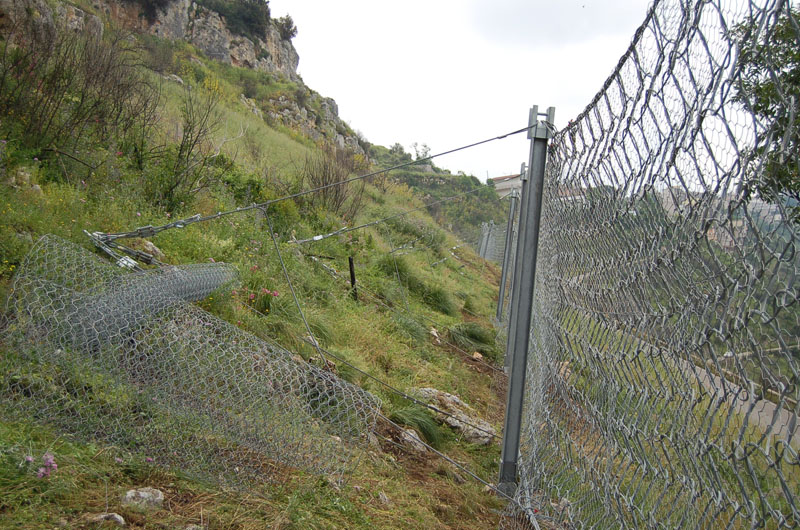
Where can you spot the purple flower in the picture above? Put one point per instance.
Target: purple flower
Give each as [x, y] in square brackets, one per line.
[28, 459]
[211, 260]
[48, 459]
[118, 460]
[275, 293]
[43, 472]
[149, 460]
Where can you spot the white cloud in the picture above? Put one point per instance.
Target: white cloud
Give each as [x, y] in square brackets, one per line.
[449, 73]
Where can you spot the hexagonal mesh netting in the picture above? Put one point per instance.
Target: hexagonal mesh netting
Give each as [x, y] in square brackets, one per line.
[125, 359]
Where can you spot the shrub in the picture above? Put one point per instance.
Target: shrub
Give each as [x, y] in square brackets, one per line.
[327, 168]
[190, 165]
[249, 18]
[160, 55]
[67, 89]
[286, 27]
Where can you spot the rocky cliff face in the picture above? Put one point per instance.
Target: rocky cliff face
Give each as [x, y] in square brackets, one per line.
[184, 19]
[313, 115]
[207, 30]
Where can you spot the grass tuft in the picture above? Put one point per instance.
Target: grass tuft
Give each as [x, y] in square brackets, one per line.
[419, 418]
[471, 336]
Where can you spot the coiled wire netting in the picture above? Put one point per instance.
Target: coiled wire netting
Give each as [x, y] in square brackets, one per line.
[124, 358]
[662, 383]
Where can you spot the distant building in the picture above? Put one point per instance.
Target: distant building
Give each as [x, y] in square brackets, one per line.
[505, 184]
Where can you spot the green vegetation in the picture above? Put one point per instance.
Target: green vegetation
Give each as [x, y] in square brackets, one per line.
[420, 419]
[471, 336]
[131, 154]
[249, 18]
[463, 216]
[770, 87]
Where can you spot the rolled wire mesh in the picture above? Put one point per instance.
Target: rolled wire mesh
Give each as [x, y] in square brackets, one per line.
[662, 384]
[123, 358]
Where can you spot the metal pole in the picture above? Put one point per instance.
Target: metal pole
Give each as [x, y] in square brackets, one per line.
[513, 307]
[512, 211]
[353, 278]
[528, 246]
[490, 243]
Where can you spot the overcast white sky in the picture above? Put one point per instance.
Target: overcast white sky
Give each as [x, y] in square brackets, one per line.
[452, 72]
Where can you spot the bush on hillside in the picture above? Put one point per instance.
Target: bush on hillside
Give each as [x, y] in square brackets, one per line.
[327, 168]
[66, 89]
[249, 18]
[286, 27]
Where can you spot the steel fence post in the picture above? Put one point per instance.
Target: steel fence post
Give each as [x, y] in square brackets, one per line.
[512, 211]
[530, 215]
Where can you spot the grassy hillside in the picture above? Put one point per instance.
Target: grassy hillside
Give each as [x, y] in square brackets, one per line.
[71, 160]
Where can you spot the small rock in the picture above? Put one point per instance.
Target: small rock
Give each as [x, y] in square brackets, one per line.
[25, 236]
[384, 499]
[462, 417]
[151, 249]
[373, 442]
[20, 177]
[435, 334]
[175, 78]
[194, 527]
[103, 517]
[410, 437]
[36, 189]
[476, 356]
[144, 498]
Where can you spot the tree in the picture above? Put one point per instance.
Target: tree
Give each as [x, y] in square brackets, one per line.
[286, 27]
[769, 86]
[421, 151]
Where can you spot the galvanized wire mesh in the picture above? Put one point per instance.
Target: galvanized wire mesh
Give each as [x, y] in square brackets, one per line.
[490, 244]
[123, 358]
[662, 384]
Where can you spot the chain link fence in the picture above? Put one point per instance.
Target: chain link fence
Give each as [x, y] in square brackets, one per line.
[124, 358]
[491, 242]
[662, 383]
